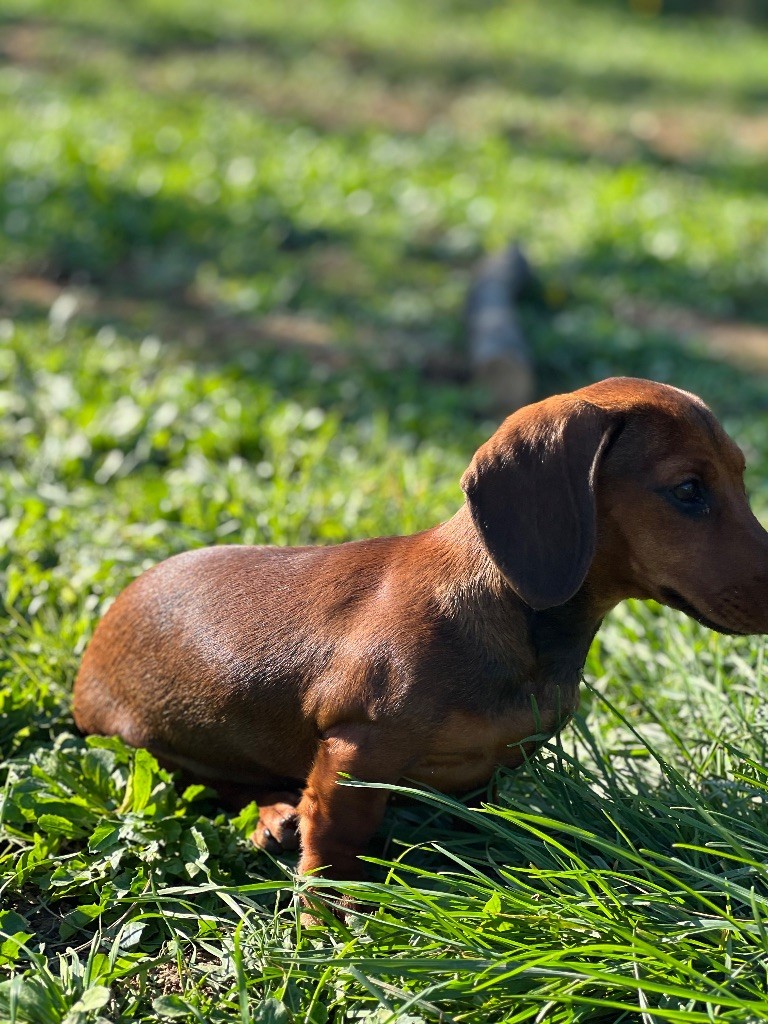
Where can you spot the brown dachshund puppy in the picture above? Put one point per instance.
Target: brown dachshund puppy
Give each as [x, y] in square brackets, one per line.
[432, 657]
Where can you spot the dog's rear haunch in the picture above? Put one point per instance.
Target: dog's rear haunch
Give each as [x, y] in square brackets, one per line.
[432, 657]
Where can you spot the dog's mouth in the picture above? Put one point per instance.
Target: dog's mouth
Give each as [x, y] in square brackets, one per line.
[675, 600]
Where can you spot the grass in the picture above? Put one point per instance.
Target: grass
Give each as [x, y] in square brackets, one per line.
[236, 245]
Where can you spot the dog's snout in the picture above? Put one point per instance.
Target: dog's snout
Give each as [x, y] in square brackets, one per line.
[744, 608]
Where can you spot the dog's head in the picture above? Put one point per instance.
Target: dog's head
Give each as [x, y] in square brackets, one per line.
[627, 487]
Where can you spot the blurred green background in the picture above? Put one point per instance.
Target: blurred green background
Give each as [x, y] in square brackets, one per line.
[323, 176]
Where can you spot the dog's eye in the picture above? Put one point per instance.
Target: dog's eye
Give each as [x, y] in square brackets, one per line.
[690, 494]
[688, 491]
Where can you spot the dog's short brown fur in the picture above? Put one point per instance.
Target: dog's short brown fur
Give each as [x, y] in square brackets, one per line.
[430, 657]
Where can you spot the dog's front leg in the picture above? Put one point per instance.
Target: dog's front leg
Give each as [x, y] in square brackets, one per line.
[336, 822]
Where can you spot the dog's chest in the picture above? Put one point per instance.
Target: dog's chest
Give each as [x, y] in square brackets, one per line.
[468, 747]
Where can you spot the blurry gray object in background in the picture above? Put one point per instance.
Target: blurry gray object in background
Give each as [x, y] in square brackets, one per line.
[499, 354]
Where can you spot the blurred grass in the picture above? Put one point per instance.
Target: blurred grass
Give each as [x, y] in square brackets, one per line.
[236, 246]
[350, 161]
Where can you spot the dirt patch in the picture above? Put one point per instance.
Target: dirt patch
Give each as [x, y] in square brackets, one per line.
[22, 44]
[209, 333]
[738, 342]
[202, 329]
[167, 979]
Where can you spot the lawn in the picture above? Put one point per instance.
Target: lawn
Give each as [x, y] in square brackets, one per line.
[236, 244]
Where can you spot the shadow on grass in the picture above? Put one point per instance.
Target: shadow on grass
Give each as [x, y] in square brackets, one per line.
[141, 258]
[169, 33]
[143, 254]
[594, 336]
[592, 349]
[743, 175]
[697, 10]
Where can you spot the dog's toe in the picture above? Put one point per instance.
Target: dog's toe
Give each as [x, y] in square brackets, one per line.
[278, 829]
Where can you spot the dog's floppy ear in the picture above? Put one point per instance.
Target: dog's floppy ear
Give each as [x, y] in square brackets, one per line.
[530, 490]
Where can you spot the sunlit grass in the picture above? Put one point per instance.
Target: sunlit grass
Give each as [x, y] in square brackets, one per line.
[621, 871]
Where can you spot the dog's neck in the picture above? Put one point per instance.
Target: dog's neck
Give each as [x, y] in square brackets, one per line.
[543, 649]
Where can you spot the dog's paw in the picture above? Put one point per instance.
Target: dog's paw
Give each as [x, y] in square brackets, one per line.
[277, 829]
